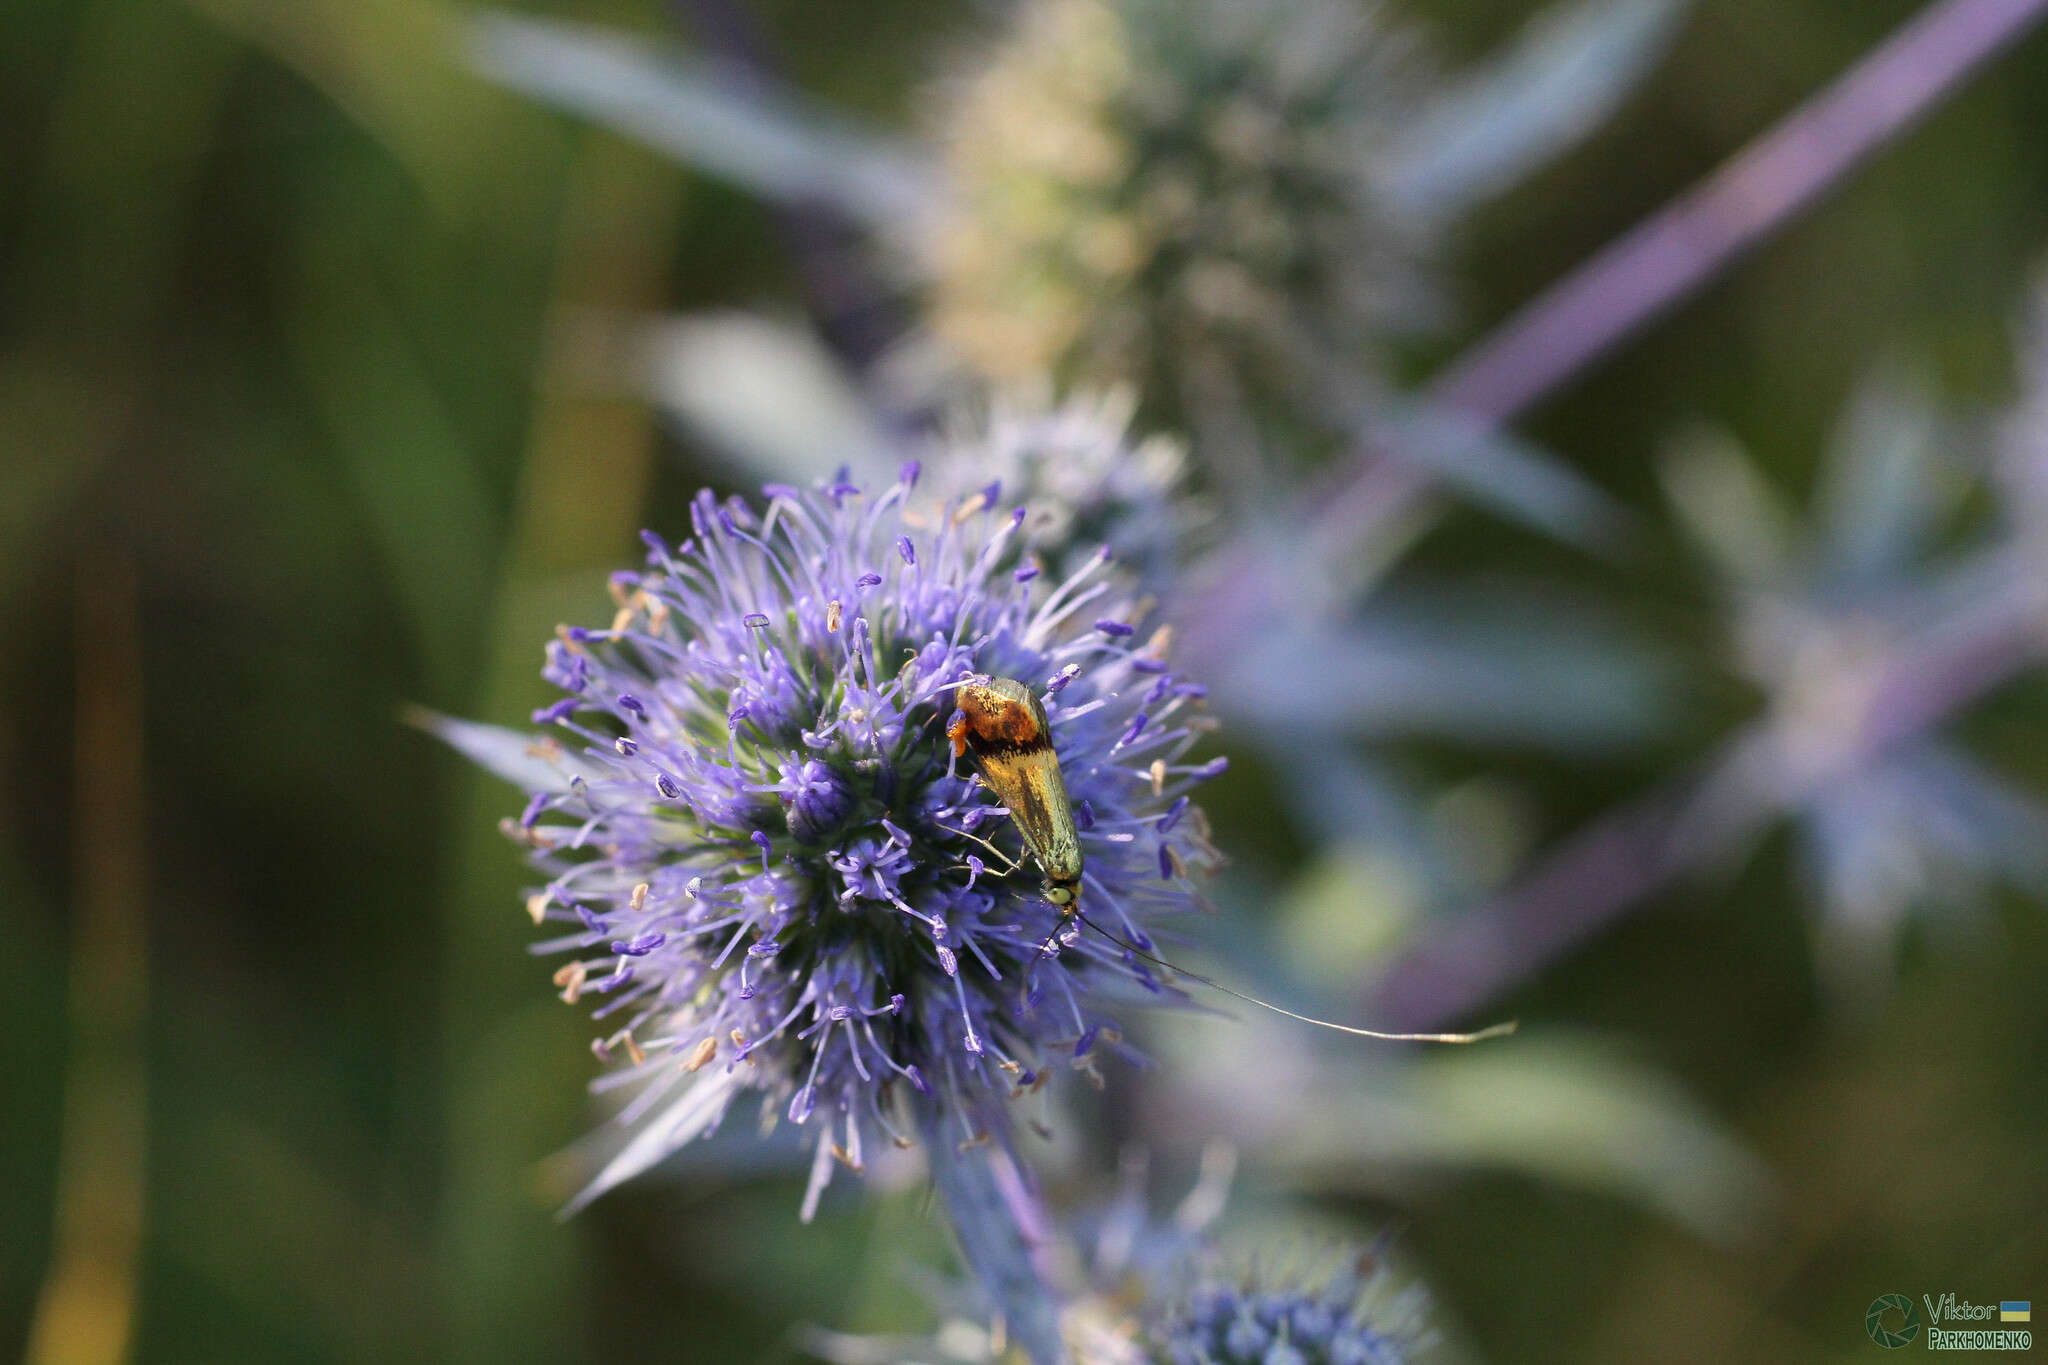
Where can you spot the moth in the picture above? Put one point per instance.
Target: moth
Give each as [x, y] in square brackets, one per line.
[1002, 728]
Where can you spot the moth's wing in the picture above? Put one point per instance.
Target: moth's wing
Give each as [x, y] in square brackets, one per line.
[1031, 788]
[1005, 776]
[1060, 857]
[1045, 812]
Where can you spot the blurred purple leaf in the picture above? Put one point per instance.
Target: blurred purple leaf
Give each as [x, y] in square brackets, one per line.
[1560, 77]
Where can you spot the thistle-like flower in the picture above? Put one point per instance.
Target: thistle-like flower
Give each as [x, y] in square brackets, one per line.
[1224, 1321]
[774, 874]
[1179, 194]
[1865, 632]
[1138, 1289]
[1085, 480]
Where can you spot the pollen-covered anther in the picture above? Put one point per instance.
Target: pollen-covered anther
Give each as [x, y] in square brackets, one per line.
[840, 1155]
[980, 1139]
[545, 748]
[621, 618]
[701, 1055]
[567, 635]
[835, 611]
[639, 898]
[633, 1049]
[537, 906]
[1159, 777]
[657, 617]
[570, 979]
[739, 1041]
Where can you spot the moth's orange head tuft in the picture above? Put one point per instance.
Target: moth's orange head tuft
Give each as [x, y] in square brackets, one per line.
[989, 716]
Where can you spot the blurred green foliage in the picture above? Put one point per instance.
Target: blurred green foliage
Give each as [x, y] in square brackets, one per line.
[284, 303]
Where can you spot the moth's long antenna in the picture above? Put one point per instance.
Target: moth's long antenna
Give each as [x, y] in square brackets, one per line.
[1492, 1031]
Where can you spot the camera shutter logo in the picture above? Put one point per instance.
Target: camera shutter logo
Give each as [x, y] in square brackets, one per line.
[1909, 1326]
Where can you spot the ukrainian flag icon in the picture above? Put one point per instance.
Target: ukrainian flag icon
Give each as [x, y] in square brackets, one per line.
[2016, 1310]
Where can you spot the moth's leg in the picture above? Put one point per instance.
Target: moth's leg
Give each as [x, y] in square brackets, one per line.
[1010, 864]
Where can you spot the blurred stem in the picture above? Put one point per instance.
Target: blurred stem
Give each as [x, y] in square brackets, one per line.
[1628, 854]
[515, 1073]
[1002, 1231]
[1614, 862]
[1667, 257]
[90, 278]
[91, 273]
[86, 1312]
[1664, 259]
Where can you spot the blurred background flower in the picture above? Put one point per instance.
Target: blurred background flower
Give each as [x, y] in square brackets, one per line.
[1859, 634]
[1141, 1289]
[1233, 207]
[1177, 196]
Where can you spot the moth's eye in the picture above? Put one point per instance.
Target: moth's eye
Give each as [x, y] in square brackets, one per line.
[1060, 895]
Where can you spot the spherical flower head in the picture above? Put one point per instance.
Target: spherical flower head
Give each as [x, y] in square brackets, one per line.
[776, 874]
[1136, 1288]
[1350, 1319]
[1179, 193]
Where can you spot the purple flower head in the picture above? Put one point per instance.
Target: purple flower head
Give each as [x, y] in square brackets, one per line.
[1133, 1287]
[762, 861]
[1349, 1319]
[1081, 480]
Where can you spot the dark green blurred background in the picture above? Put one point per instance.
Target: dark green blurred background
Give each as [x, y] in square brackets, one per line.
[285, 444]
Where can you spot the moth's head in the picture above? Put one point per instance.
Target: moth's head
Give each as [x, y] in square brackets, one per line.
[1061, 894]
[999, 711]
